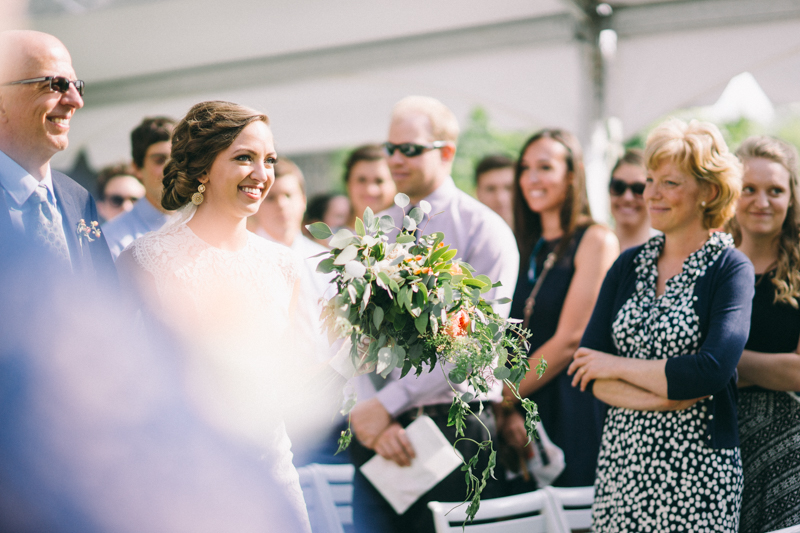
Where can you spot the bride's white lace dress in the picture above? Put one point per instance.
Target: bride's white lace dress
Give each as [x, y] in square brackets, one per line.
[234, 311]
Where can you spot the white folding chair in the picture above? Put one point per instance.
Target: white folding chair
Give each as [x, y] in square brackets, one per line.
[532, 512]
[575, 504]
[328, 491]
[790, 529]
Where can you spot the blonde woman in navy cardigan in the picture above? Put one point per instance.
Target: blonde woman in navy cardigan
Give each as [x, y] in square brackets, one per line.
[662, 346]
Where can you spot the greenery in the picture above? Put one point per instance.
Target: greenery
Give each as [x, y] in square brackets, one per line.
[479, 139]
[408, 304]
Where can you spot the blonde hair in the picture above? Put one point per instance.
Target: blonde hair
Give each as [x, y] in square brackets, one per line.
[698, 150]
[444, 125]
[787, 271]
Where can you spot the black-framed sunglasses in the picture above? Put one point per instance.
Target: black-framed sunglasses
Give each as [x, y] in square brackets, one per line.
[117, 200]
[411, 149]
[57, 83]
[618, 187]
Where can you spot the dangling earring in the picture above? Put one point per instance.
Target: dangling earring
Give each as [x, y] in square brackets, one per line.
[197, 198]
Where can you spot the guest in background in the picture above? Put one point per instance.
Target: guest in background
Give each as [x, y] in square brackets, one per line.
[150, 146]
[279, 219]
[631, 219]
[421, 146]
[330, 208]
[368, 181]
[117, 190]
[662, 347]
[567, 254]
[767, 230]
[494, 185]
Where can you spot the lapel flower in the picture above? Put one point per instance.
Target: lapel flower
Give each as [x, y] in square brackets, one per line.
[85, 232]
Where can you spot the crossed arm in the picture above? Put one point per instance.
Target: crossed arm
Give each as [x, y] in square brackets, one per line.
[622, 382]
[774, 371]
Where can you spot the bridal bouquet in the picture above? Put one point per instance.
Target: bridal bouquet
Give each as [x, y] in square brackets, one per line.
[408, 304]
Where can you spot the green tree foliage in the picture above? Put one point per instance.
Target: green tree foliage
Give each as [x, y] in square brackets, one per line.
[477, 140]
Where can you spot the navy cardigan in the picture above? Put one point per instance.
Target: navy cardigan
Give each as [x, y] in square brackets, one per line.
[723, 302]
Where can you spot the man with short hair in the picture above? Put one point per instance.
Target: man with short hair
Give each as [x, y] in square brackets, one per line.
[151, 142]
[421, 147]
[494, 185]
[40, 208]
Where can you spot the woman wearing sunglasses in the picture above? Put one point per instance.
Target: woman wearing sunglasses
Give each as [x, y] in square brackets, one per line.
[766, 228]
[631, 219]
[564, 257]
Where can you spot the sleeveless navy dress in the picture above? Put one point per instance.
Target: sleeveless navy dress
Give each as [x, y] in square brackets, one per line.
[573, 419]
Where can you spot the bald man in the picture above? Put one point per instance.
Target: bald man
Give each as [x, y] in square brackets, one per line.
[41, 209]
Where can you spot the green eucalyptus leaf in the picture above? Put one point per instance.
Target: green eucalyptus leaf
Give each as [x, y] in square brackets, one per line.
[416, 215]
[386, 223]
[348, 254]
[404, 239]
[488, 283]
[377, 317]
[457, 376]
[502, 373]
[342, 238]
[369, 217]
[401, 200]
[448, 293]
[421, 322]
[325, 266]
[319, 230]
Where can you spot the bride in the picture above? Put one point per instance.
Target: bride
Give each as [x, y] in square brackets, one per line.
[227, 293]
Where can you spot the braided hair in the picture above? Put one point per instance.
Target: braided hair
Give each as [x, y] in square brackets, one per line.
[208, 129]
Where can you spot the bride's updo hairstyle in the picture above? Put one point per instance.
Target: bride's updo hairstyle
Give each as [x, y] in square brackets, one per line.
[207, 129]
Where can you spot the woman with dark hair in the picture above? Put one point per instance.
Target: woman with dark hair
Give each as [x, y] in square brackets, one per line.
[226, 292]
[662, 346]
[631, 220]
[564, 256]
[767, 229]
[368, 180]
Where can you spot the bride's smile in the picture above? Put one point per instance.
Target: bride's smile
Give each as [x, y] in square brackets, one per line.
[242, 174]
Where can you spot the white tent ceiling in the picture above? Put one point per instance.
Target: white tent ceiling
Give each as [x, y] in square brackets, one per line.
[328, 73]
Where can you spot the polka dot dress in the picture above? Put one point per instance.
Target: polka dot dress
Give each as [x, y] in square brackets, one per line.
[655, 471]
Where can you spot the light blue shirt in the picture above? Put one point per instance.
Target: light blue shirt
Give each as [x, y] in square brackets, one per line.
[18, 185]
[128, 227]
[484, 240]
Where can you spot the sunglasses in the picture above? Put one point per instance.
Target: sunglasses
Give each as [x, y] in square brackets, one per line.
[57, 83]
[116, 200]
[618, 187]
[411, 149]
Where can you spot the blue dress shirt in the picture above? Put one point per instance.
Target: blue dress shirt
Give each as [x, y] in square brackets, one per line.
[17, 185]
[127, 227]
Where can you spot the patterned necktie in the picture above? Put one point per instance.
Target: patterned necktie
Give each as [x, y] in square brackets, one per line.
[44, 225]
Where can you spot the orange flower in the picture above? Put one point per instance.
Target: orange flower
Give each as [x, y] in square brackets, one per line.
[458, 325]
[456, 270]
[418, 258]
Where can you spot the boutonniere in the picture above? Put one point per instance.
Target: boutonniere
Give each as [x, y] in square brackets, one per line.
[85, 232]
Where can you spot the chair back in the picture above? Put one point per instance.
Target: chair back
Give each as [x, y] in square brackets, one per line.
[575, 504]
[328, 492]
[790, 529]
[532, 512]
